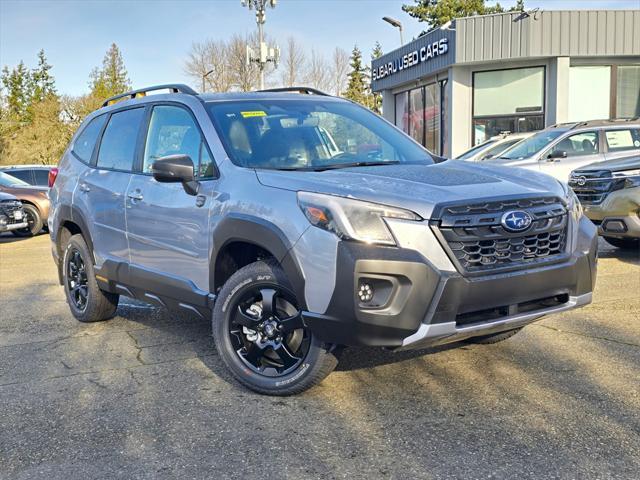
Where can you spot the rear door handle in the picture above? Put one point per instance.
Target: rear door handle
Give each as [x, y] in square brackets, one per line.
[84, 187]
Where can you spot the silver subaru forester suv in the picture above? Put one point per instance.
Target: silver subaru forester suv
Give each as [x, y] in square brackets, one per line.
[300, 224]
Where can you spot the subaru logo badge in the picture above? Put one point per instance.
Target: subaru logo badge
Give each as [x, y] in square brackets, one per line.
[516, 221]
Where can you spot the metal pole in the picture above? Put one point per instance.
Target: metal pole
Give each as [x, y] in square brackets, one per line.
[401, 40]
[260, 40]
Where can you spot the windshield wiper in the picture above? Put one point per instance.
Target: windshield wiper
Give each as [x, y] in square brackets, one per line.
[354, 164]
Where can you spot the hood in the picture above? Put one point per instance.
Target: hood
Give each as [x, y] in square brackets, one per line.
[6, 196]
[417, 187]
[616, 165]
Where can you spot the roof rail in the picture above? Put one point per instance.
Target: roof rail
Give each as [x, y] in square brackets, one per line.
[174, 87]
[304, 90]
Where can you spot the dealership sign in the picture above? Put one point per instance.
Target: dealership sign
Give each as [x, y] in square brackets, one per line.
[411, 59]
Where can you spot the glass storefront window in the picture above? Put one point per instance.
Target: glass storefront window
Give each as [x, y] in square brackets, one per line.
[628, 95]
[507, 101]
[432, 117]
[589, 93]
[402, 111]
[416, 115]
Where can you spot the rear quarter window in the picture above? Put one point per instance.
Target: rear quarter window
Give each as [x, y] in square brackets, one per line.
[623, 139]
[41, 177]
[86, 141]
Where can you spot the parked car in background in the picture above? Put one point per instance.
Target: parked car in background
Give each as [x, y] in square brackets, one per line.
[562, 148]
[610, 194]
[35, 202]
[12, 216]
[32, 174]
[493, 147]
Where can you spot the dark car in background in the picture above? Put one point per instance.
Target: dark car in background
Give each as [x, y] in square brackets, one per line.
[12, 216]
[37, 175]
[610, 194]
[35, 201]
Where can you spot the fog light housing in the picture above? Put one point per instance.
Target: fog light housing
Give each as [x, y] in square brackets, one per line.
[365, 292]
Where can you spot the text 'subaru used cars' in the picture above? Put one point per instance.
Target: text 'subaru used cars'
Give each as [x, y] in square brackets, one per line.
[236, 207]
[12, 215]
[35, 201]
[610, 194]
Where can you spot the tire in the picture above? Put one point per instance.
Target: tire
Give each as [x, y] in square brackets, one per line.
[624, 243]
[493, 338]
[275, 354]
[35, 222]
[88, 303]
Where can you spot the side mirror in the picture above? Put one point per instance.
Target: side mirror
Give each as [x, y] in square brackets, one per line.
[176, 169]
[557, 154]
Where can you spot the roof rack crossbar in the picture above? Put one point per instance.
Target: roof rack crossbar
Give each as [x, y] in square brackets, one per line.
[174, 87]
[305, 90]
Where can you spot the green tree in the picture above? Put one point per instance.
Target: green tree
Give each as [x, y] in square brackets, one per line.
[376, 98]
[43, 83]
[358, 86]
[112, 78]
[18, 85]
[438, 12]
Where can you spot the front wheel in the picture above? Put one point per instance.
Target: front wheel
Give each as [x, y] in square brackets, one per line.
[34, 221]
[260, 336]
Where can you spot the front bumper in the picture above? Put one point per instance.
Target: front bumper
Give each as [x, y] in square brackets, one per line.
[618, 215]
[423, 305]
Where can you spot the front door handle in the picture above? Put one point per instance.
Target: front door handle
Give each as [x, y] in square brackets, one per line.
[137, 195]
[84, 187]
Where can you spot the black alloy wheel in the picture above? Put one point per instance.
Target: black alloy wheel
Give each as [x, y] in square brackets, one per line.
[77, 279]
[267, 332]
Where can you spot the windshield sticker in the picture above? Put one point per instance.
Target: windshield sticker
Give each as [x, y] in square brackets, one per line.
[253, 113]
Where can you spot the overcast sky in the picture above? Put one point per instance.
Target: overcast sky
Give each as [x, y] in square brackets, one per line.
[155, 35]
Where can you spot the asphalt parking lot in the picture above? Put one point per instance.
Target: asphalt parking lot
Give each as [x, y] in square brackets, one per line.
[145, 396]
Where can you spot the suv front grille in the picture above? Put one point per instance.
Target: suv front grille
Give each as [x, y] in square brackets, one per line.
[592, 186]
[477, 241]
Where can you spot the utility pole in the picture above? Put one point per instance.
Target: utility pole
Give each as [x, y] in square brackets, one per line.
[204, 77]
[265, 54]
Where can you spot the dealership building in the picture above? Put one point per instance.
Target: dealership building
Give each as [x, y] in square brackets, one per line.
[454, 87]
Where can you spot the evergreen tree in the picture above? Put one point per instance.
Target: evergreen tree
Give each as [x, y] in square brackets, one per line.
[43, 83]
[376, 98]
[112, 78]
[17, 83]
[438, 12]
[358, 86]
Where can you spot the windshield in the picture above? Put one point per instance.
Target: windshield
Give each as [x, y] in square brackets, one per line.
[472, 151]
[532, 145]
[496, 150]
[310, 135]
[9, 181]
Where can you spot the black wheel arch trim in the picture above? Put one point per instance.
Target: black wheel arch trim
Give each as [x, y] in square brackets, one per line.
[257, 231]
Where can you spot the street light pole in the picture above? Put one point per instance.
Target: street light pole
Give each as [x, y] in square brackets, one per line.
[265, 55]
[395, 23]
[205, 76]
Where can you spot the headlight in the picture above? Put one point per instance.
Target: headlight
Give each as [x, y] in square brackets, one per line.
[351, 219]
[573, 203]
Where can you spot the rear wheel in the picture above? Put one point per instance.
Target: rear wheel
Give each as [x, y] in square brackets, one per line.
[493, 338]
[33, 219]
[260, 336]
[88, 303]
[624, 243]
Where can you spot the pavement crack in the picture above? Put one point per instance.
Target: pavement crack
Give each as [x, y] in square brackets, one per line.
[588, 336]
[137, 347]
[95, 382]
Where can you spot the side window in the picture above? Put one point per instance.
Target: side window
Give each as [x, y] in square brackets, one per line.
[86, 141]
[584, 143]
[24, 175]
[118, 145]
[173, 131]
[41, 177]
[623, 139]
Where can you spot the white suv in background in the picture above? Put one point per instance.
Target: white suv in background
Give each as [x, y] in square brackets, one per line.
[561, 148]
